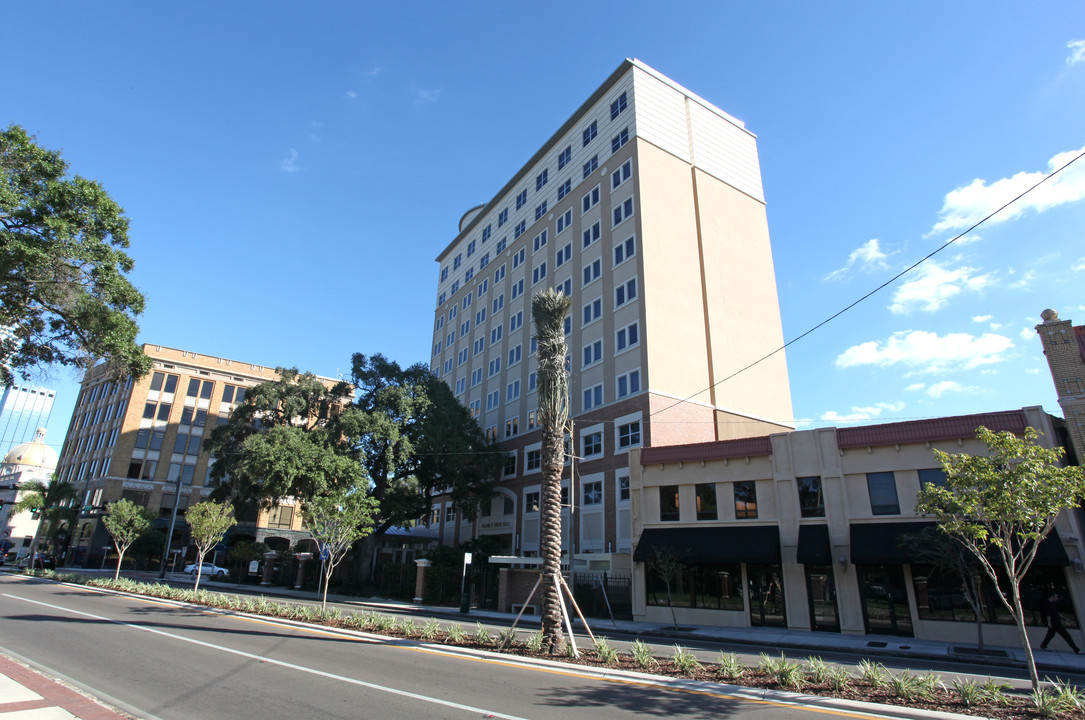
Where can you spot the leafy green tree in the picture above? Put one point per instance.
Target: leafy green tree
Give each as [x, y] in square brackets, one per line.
[52, 502]
[404, 436]
[415, 438]
[125, 521]
[63, 284]
[207, 522]
[335, 521]
[280, 442]
[548, 310]
[1000, 506]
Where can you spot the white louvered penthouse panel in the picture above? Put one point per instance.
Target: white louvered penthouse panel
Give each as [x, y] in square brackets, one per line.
[725, 151]
[661, 115]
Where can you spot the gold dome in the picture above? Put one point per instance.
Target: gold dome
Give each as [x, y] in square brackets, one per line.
[33, 454]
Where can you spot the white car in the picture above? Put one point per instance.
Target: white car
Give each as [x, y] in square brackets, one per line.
[207, 570]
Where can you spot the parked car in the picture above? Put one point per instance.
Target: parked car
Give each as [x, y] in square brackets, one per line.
[208, 570]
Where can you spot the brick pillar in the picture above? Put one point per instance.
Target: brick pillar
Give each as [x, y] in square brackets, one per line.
[503, 604]
[302, 557]
[269, 567]
[420, 579]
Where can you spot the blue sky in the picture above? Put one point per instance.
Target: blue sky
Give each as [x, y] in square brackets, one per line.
[291, 171]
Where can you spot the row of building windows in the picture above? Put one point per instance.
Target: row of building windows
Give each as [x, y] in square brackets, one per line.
[881, 487]
[542, 178]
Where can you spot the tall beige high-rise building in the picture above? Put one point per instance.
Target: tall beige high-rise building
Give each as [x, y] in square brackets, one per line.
[647, 209]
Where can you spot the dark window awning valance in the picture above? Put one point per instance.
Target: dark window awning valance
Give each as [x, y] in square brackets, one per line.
[881, 543]
[753, 543]
[814, 548]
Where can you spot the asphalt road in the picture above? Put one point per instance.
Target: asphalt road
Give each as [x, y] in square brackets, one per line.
[156, 660]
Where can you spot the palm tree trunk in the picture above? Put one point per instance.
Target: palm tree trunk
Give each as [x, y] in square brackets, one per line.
[548, 310]
[550, 541]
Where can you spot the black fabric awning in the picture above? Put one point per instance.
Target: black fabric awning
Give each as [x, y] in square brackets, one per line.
[880, 543]
[814, 548]
[752, 543]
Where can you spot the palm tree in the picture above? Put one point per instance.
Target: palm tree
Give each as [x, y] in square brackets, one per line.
[548, 310]
[52, 502]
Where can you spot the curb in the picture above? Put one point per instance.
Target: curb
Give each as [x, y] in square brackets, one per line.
[780, 697]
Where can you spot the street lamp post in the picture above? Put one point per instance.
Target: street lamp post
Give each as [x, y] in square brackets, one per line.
[173, 521]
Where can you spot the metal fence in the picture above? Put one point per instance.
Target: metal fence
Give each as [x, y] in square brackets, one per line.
[602, 594]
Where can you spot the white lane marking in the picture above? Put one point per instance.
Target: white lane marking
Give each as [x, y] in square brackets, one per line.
[273, 661]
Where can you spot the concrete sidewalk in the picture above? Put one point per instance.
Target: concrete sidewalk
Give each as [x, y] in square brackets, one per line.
[772, 639]
[27, 694]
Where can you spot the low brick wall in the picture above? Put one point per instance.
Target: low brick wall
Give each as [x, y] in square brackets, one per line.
[514, 588]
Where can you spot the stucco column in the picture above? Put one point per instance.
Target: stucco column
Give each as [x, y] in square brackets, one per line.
[269, 567]
[420, 579]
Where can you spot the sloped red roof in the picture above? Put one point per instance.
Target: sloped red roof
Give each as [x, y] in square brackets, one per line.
[946, 428]
[718, 450]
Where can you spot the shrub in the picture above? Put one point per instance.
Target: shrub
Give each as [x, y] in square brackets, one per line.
[483, 636]
[643, 654]
[969, 692]
[535, 641]
[430, 630]
[995, 692]
[507, 638]
[731, 667]
[790, 675]
[873, 673]
[605, 652]
[684, 660]
[904, 685]
[930, 684]
[818, 669]
[455, 633]
[838, 678]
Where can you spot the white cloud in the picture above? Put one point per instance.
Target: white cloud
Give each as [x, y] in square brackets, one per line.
[982, 318]
[1079, 265]
[859, 414]
[915, 387]
[289, 163]
[373, 73]
[1027, 278]
[868, 256]
[351, 95]
[1028, 333]
[967, 205]
[927, 351]
[932, 285]
[1032, 371]
[428, 96]
[1077, 52]
[939, 389]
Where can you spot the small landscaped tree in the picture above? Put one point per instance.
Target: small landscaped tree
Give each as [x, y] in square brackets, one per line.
[335, 521]
[665, 562]
[208, 522]
[1000, 506]
[125, 522]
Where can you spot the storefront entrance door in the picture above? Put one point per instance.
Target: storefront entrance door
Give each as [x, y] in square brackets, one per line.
[821, 592]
